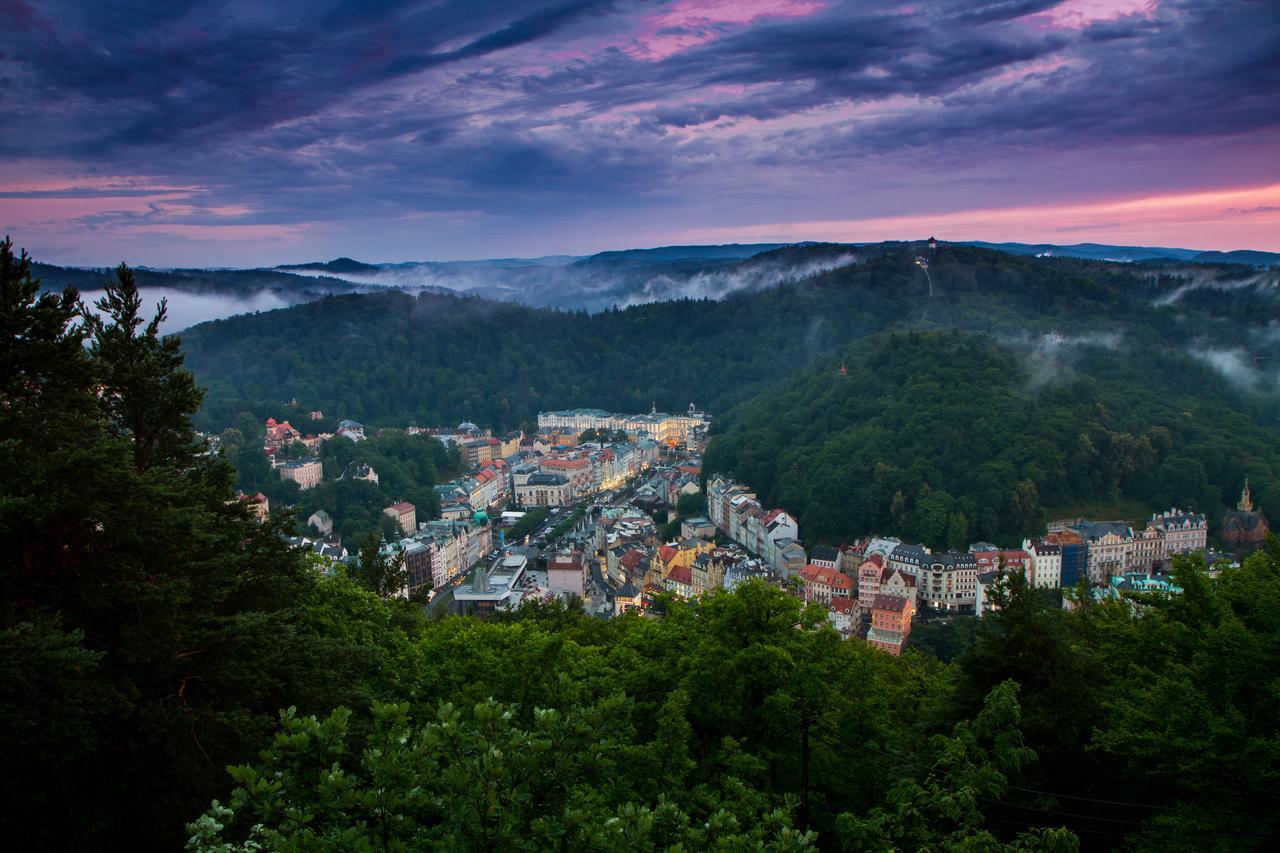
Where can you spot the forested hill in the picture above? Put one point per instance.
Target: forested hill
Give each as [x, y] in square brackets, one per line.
[950, 438]
[392, 358]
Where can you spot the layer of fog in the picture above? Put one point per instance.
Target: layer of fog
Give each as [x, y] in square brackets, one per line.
[720, 283]
[186, 309]
[1198, 279]
[1238, 367]
[1050, 358]
[592, 287]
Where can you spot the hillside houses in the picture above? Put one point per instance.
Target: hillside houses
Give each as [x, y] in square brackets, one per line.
[773, 535]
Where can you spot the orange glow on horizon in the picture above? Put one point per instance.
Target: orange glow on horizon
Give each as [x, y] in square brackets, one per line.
[1211, 220]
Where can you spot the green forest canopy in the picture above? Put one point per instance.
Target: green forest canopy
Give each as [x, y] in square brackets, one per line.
[950, 438]
[390, 359]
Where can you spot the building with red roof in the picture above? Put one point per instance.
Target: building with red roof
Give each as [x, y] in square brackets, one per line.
[405, 515]
[822, 583]
[680, 581]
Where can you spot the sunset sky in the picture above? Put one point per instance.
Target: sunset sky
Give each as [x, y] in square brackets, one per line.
[243, 133]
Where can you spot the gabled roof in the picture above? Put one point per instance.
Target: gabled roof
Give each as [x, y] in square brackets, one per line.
[1242, 520]
[827, 576]
[681, 574]
[632, 558]
[891, 603]
[888, 572]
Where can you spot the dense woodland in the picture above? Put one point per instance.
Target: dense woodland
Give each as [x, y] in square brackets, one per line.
[172, 673]
[1021, 387]
[392, 358]
[949, 438]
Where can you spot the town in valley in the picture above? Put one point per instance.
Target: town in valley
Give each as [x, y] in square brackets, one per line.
[614, 513]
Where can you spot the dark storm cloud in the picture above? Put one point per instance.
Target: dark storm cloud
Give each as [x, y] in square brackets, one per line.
[346, 110]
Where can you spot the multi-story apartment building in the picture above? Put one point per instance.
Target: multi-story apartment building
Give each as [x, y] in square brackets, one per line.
[405, 515]
[890, 623]
[544, 489]
[869, 580]
[1148, 549]
[908, 558]
[566, 573]
[1046, 563]
[894, 582]
[845, 614]
[821, 583]
[825, 555]
[1108, 549]
[306, 472]
[1184, 532]
[577, 470]
[948, 581]
[1073, 556]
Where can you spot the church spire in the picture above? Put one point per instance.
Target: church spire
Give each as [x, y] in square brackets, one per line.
[1246, 499]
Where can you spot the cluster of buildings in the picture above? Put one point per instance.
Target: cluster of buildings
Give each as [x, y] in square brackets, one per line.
[439, 551]
[771, 534]
[874, 587]
[304, 470]
[550, 468]
[688, 429]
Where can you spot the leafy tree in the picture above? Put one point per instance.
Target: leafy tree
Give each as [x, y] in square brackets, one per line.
[477, 781]
[380, 572]
[944, 809]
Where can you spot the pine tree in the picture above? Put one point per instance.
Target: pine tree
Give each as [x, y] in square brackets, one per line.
[149, 622]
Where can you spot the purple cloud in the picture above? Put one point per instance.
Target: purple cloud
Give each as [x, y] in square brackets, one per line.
[398, 130]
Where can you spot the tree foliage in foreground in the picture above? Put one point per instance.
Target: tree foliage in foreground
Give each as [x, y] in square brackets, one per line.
[150, 626]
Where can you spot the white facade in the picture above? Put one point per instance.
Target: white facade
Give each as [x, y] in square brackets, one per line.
[1044, 569]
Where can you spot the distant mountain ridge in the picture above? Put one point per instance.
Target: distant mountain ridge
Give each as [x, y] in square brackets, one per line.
[1104, 252]
[336, 265]
[594, 283]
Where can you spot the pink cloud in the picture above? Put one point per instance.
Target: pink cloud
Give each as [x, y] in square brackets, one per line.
[230, 232]
[1078, 14]
[689, 23]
